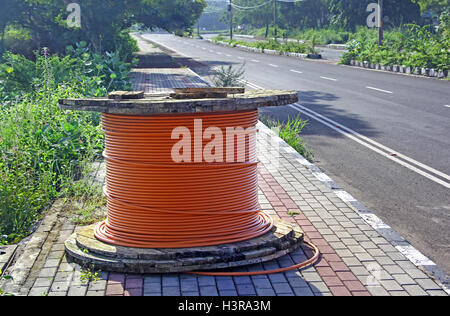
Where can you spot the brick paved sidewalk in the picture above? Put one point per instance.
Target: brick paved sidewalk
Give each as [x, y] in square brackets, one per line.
[356, 259]
[163, 80]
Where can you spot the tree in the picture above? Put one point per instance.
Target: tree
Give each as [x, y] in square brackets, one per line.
[351, 13]
[170, 15]
[305, 14]
[436, 6]
[102, 21]
[257, 17]
[9, 13]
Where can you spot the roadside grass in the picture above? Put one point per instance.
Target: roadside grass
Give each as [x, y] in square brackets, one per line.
[273, 44]
[87, 205]
[290, 132]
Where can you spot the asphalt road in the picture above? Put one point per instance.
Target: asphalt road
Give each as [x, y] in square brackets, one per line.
[383, 137]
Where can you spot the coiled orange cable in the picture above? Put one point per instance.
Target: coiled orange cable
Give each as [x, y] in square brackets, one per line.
[155, 202]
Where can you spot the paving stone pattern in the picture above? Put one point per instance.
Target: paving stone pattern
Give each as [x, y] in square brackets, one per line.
[355, 259]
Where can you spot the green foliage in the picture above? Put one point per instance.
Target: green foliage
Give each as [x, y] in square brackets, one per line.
[44, 150]
[229, 77]
[320, 14]
[290, 132]
[103, 22]
[434, 5]
[414, 46]
[88, 73]
[89, 275]
[272, 44]
[86, 204]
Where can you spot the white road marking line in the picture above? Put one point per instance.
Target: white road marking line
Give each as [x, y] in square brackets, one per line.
[219, 53]
[448, 106]
[272, 65]
[365, 141]
[203, 48]
[352, 135]
[252, 85]
[381, 90]
[299, 72]
[239, 57]
[228, 55]
[211, 51]
[327, 78]
[255, 61]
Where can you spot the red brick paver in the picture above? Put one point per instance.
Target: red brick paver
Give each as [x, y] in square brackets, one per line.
[345, 283]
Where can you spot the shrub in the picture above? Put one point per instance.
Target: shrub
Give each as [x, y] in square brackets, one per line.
[97, 73]
[229, 77]
[43, 149]
[290, 132]
[414, 46]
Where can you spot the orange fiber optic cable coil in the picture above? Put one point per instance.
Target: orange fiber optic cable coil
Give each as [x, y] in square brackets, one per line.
[154, 202]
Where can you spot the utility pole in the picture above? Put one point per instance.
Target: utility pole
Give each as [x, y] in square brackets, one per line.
[198, 28]
[380, 22]
[275, 19]
[230, 9]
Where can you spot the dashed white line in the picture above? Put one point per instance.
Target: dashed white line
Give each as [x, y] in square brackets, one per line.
[239, 57]
[447, 106]
[219, 53]
[272, 65]
[381, 90]
[327, 78]
[228, 55]
[296, 71]
[255, 61]
[211, 51]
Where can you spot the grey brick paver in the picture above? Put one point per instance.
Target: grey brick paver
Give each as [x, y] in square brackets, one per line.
[171, 291]
[391, 285]
[265, 292]
[77, 290]
[225, 284]
[39, 291]
[206, 281]
[415, 290]
[208, 291]
[282, 288]
[303, 291]
[404, 279]
[428, 284]
[246, 289]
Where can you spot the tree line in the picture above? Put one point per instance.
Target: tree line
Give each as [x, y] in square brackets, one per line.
[344, 14]
[26, 25]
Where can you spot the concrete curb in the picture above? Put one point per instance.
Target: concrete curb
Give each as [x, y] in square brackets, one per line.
[262, 51]
[424, 72]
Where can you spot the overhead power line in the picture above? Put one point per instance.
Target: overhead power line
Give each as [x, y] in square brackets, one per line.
[249, 8]
[263, 4]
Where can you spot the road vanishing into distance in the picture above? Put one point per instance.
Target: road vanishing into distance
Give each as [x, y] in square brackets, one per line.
[383, 137]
